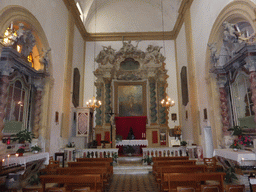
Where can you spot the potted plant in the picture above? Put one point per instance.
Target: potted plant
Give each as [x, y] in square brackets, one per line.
[70, 145]
[35, 149]
[237, 130]
[147, 160]
[119, 138]
[235, 145]
[23, 136]
[230, 175]
[20, 151]
[183, 143]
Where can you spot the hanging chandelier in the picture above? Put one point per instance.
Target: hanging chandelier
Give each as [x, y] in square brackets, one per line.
[167, 101]
[93, 103]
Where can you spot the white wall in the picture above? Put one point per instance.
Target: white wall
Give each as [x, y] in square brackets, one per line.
[186, 124]
[117, 45]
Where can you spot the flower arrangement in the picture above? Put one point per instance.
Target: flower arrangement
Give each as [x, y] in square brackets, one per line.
[235, 145]
[183, 143]
[21, 150]
[35, 149]
[244, 140]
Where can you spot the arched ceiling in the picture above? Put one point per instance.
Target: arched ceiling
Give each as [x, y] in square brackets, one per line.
[129, 15]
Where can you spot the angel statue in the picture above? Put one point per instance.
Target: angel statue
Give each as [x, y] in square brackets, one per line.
[44, 58]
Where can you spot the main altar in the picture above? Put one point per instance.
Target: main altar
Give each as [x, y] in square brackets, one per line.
[131, 84]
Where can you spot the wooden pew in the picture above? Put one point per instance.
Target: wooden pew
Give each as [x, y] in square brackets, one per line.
[94, 159]
[93, 164]
[85, 170]
[154, 159]
[170, 163]
[177, 169]
[74, 181]
[193, 179]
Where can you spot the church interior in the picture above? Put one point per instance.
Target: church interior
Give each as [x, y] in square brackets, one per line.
[96, 93]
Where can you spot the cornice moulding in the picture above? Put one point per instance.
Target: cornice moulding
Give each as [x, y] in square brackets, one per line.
[168, 35]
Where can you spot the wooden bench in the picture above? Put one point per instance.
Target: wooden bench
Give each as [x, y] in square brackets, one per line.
[93, 164]
[94, 159]
[85, 170]
[74, 181]
[170, 163]
[154, 159]
[192, 179]
[177, 169]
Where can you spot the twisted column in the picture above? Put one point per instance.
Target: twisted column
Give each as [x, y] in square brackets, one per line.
[37, 118]
[98, 110]
[162, 110]
[107, 101]
[4, 83]
[153, 111]
[224, 110]
[252, 79]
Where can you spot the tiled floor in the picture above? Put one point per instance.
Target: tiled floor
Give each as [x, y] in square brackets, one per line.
[130, 175]
[133, 183]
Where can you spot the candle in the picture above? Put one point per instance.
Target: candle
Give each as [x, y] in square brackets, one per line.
[17, 155]
[11, 25]
[3, 163]
[242, 163]
[8, 159]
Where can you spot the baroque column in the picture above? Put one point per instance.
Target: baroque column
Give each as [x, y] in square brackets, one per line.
[107, 100]
[153, 111]
[162, 110]
[98, 115]
[224, 105]
[39, 84]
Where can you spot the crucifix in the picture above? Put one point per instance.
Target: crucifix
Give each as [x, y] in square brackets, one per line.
[112, 120]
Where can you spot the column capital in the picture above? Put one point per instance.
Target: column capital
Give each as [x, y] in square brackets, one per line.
[221, 80]
[39, 83]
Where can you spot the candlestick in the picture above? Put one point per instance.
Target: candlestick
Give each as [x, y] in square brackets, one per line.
[17, 155]
[242, 162]
[8, 159]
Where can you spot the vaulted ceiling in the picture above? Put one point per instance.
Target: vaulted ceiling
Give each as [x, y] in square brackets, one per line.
[115, 20]
[129, 15]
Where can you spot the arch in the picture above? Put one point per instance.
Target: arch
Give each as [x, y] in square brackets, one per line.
[19, 14]
[234, 12]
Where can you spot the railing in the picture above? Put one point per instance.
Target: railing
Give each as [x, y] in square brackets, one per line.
[95, 153]
[164, 151]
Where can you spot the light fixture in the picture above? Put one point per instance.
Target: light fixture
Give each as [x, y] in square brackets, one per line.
[167, 101]
[9, 37]
[93, 103]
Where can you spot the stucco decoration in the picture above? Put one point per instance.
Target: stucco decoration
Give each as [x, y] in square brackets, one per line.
[130, 64]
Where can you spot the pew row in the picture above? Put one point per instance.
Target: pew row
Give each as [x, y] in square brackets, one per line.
[171, 163]
[192, 179]
[85, 170]
[177, 169]
[154, 159]
[93, 164]
[72, 182]
[94, 159]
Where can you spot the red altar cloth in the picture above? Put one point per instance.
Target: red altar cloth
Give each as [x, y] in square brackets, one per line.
[137, 123]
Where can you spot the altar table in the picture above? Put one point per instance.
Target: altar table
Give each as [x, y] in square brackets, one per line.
[238, 156]
[132, 142]
[27, 157]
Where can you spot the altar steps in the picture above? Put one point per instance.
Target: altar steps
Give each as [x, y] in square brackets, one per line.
[131, 165]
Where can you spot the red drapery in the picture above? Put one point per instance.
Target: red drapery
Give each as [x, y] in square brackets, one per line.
[137, 123]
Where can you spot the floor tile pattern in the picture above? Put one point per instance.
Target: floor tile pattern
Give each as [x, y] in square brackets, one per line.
[133, 183]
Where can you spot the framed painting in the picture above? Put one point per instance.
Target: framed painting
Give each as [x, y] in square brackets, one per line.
[130, 99]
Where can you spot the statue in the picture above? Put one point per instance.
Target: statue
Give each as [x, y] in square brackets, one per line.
[44, 58]
[106, 55]
[154, 54]
[130, 135]
[213, 50]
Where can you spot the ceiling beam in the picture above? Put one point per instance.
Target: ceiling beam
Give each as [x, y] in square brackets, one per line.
[167, 35]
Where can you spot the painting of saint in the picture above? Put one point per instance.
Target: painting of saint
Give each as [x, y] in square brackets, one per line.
[130, 100]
